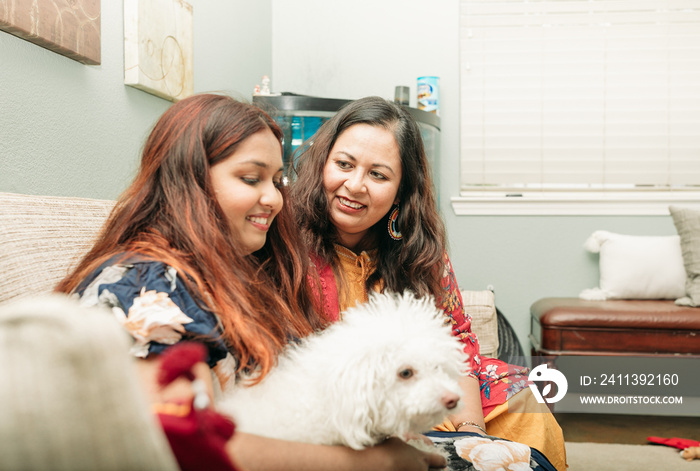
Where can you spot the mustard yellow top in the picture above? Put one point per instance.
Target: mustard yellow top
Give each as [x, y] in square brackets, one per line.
[355, 271]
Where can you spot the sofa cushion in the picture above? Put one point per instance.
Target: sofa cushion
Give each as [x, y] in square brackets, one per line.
[687, 222]
[42, 237]
[70, 394]
[480, 305]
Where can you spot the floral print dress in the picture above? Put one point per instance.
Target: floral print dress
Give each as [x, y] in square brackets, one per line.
[498, 380]
[153, 304]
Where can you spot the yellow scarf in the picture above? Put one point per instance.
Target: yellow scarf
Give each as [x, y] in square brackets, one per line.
[355, 271]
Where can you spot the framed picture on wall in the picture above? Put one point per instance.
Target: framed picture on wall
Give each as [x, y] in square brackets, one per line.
[158, 47]
[68, 27]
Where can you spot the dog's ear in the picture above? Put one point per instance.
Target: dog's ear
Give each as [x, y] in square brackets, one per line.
[358, 402]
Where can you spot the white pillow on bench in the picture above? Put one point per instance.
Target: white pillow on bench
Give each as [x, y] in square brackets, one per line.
[637, 267]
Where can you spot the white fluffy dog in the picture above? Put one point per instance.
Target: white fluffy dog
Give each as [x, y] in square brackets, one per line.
[390, 367]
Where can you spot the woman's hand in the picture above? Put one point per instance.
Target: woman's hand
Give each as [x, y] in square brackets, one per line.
[470, 417]
[178, 390]
[411, 437]
[470, 428]
[395, 454]
[255, 453]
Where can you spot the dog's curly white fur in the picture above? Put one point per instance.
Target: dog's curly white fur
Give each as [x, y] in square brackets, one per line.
[390, 367]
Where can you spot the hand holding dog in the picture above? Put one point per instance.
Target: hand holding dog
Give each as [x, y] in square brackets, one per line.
[393, 454]
[401, 456]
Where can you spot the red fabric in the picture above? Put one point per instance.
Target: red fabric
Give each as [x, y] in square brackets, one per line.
[329, 295]
[498, 381]
[680, 443]
[452, 305]
[178, 361]
[197, 437]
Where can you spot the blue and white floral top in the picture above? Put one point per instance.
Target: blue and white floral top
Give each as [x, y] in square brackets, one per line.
[153, 304]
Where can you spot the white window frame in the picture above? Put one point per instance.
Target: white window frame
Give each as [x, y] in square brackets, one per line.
[630, 203]
[571, 199]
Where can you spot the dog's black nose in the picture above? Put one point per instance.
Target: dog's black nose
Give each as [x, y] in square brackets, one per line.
[450, 400]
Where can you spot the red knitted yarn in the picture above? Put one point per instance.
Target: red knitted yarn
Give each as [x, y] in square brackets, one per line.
[198, 439]
[178, 360]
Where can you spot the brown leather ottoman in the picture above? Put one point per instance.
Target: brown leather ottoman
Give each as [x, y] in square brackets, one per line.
[572, 326]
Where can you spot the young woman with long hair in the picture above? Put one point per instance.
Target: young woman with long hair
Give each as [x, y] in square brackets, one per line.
[202, 246]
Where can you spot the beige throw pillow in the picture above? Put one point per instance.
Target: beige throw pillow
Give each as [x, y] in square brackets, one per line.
[687, 222]
[481, 306]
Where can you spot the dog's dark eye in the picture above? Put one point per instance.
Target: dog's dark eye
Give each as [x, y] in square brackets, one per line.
[406, 373]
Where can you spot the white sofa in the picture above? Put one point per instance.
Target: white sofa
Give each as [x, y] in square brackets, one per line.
[70, 393]
[42, 237]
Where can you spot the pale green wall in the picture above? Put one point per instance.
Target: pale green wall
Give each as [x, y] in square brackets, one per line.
[71, 129]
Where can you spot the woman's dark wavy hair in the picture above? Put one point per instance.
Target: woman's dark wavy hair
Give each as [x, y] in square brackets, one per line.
[416, 262]
[170, 214]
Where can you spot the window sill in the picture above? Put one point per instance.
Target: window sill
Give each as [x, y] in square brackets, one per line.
[572, 203]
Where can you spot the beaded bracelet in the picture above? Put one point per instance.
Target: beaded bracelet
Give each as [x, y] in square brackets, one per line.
[471, 424]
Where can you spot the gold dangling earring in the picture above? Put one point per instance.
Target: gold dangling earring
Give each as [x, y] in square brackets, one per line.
[393, 232]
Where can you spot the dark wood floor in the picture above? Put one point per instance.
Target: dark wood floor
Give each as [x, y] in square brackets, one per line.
[629, 429]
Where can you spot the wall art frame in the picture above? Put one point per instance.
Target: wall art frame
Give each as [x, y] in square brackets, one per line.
[71, 28]
[158, 47]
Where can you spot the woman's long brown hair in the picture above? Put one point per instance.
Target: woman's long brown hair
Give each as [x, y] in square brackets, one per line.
[170, 214]
[416, 262]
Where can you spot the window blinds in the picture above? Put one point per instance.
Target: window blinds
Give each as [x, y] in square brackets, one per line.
[580, 94]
